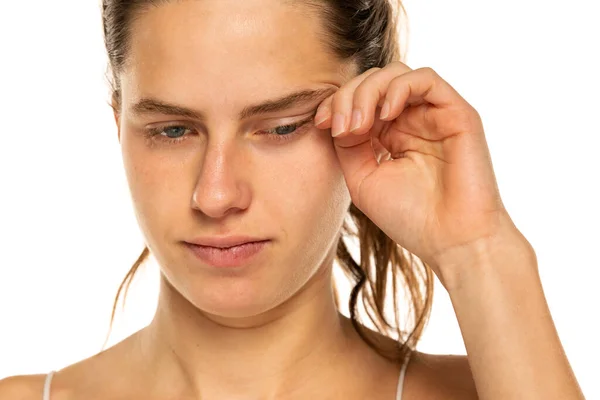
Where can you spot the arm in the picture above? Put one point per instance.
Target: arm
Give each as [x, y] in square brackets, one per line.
[513, 347]
[436, 196]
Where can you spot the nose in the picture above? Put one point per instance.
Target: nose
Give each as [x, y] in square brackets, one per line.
[222, 187]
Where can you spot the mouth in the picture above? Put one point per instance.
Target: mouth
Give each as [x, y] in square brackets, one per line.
[225, 241]
[228, 256]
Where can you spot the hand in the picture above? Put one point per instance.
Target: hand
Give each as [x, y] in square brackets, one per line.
[436, 191]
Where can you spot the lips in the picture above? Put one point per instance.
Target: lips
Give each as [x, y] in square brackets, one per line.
[233, 256]
[225, 241]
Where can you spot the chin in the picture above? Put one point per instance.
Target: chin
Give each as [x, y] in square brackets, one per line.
[236, 315]
[238, 301]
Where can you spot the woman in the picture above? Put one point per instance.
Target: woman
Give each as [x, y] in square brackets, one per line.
[249, 131]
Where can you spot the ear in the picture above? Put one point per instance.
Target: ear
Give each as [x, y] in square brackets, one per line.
[117, 117]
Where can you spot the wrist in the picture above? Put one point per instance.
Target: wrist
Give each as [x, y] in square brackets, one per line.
[503, 252]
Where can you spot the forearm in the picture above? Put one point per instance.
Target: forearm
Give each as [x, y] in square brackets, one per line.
[513, 347]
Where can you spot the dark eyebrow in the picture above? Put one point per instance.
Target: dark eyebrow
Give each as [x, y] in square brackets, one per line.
[285, 102]
[150, 105]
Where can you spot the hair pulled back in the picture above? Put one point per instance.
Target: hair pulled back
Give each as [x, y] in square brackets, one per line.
[366, 33]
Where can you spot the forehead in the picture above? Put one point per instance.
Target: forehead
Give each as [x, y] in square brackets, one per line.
[227, 51]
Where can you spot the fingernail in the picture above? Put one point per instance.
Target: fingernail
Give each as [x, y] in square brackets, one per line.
[356, 120]
[385, 110]
[338, 126]
[321, 116]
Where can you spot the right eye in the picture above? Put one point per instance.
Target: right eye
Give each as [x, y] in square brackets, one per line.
[174, 132]
[168, 133]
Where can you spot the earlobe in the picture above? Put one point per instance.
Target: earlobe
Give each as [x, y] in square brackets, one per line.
[115, 105]
[116, 116]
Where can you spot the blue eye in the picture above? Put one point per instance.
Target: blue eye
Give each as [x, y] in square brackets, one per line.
[284, 129]
[174, 132]
[287, 132]
[168, 134]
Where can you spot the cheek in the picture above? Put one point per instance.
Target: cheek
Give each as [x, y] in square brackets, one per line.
[155, 180]
[308, 185]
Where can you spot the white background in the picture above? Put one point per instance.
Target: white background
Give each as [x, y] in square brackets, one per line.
[68, 234]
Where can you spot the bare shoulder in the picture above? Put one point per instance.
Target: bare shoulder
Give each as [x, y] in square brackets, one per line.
[84, 379]
[22, 387]
[432, 377]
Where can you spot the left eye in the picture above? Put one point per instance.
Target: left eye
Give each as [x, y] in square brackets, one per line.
[289, 131]
[284, 129]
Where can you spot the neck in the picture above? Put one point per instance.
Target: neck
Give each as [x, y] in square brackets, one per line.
[290, 351]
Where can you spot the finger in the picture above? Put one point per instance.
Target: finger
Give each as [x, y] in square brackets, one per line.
[323, 116]
[342, 103]
[398, 142]
[381, 152]
[359, 156]
[399, 90]
[370, 95]
[418, 87]
[358, 159]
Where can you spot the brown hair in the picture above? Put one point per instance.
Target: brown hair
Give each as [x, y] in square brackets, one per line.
[365, 32]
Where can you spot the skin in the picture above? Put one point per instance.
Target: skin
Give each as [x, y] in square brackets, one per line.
[270, 330]
[226, 178]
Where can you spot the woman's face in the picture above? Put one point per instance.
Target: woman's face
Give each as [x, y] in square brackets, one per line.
[219, 166]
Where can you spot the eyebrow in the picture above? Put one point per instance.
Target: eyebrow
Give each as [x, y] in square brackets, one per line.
[151, 105]
[286, 102]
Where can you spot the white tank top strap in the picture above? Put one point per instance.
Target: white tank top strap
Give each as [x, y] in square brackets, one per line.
[402, 375]
[47, 383]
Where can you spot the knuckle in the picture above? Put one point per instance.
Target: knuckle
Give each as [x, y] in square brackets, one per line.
[372, 70]
[398, 66]
[362, 90]
[475, 116]
[397, 81]
[427, 70]
[340, 94]
[465, 119]
[369, 87]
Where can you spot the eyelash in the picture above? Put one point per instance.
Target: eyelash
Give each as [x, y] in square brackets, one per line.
[153, 133]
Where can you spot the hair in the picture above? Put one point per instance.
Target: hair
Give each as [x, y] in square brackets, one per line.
[366, 33]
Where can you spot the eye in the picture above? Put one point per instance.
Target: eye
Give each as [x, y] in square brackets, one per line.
[288, 131]
[168, 133]
[285, 129]
[174, 132]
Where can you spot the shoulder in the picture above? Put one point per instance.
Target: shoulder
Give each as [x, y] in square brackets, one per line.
[22, 387]
[76, 381]
[432, 376]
